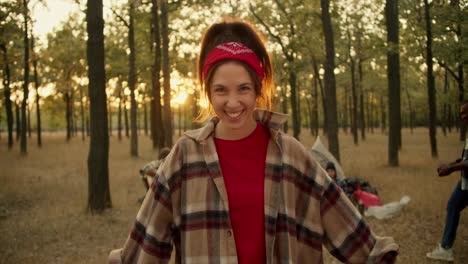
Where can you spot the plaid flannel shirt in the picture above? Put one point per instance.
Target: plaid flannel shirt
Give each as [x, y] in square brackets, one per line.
[187, 209]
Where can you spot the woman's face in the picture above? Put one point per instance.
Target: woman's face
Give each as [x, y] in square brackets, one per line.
[233, 99]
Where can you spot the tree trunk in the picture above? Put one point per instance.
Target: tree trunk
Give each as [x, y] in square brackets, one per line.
[444, 121]
[315, 105]
[132, 83]
[410, 106]
[119, 117]
[352, 65]
[393, 72]
[36, 85]
[362, 120]
[284, 105]
[166, 74]
[98, 157]
[7, 94]
[310, 115]
[322, 93]
[157, 127]
[294, 107]
[330, 84]
[145, 118]
[23, 144]
[431, 92]
[109, 118]
[28, 108]
[18, 121]
[127, 129]
[68, 114]
[82, 114]
[346, 110]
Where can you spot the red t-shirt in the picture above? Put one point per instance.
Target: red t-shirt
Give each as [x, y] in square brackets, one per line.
[243, 167]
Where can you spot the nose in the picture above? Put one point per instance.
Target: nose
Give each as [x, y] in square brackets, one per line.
[232, 100]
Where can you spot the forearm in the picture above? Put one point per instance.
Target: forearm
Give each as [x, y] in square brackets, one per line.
[457, 166]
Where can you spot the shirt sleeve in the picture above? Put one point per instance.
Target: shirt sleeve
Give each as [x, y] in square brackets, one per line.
[346, 235]
[151, 236]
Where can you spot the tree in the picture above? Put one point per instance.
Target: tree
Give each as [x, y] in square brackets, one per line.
[288, 51]
[36, 85]
[157, 128]
[393, 73]
[98, 156]
[431, 92]
[23, 142]
[167, 116]
[132, 82]
[330, 83]
[9, 33]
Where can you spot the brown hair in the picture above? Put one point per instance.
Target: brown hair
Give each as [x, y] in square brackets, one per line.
[234, 30]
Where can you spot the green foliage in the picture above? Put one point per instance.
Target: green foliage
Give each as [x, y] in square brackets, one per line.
[296, 25]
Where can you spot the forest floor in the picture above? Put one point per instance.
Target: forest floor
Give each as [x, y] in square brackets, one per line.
[43, 196]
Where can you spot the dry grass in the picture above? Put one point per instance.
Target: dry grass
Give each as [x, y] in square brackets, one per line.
[43, 197]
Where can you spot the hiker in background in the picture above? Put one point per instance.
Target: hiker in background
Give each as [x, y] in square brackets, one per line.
[458, 200]
[331, 170]
[238, 190]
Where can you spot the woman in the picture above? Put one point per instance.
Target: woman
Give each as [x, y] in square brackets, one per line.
[240, 191]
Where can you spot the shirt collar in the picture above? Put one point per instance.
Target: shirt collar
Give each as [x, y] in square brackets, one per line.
[274, 121]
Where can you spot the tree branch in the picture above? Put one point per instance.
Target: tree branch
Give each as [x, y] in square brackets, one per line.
[445, 66]
[280, 42]
[120, 18]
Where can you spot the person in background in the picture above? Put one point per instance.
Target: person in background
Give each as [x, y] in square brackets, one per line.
[331, 170]
[238, 190]
[458, 200]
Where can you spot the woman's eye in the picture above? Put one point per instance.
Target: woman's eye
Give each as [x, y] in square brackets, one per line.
[219, 90]
[245, 88]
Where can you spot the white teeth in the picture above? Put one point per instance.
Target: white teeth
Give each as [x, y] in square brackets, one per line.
[234, 115]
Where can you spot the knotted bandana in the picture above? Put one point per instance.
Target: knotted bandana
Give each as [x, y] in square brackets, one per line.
[233, 51]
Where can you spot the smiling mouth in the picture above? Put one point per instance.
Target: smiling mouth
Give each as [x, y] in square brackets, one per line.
[234, 115]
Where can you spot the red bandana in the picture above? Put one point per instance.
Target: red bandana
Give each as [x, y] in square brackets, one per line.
[233, 51]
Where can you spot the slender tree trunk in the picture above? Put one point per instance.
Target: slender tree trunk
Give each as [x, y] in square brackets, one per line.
[145, 118]
[322, 93]
[294, 107]
[23, 144]
[157, 127]
[444, 121]
[315, 106]
[410, 106]
[284, 105]
[166, 74]
[109, 113]
[431, 92]
[82, 114]
[28, 108]
[68, 115]
[132, 84]
[127, 130]
[346, 110]
[393, 71]
[36, 85]
[7, 94]
[352, 64]
[119, 117]
[362, 121]
[330, 84]
[18, 121]
[98, 157]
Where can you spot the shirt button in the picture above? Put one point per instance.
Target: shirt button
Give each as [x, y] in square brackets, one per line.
[229, 233]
